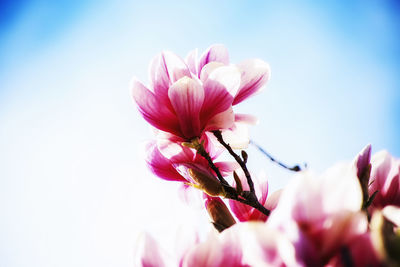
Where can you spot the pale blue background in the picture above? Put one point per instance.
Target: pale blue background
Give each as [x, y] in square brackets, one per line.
[72, 179]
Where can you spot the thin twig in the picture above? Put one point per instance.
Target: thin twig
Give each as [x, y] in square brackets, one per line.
[238, 159]
[295, 168]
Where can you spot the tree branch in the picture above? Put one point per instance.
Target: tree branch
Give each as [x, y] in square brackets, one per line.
[295, 168]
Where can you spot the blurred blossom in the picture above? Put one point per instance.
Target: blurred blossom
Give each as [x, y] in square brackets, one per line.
[385, 179]
[322, 214]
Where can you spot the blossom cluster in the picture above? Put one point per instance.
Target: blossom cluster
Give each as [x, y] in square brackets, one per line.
[347, 216]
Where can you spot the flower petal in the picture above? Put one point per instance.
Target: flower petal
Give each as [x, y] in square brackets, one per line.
[272, 200]
[246, 118]
[237, 136]
[153, 110]
[242, 212]
[191, 61]
[187, 98]
[148, 253]
[385, 178]
[362, 160]
[220, 88]
[165, 69]
[218, 250]
[263, 246]
[392, 213]
[254, 74]
[226, 167]
[207, 69]
[175, 151]
[223, 120]
[217, 53]
[160, 165]
[191, 196]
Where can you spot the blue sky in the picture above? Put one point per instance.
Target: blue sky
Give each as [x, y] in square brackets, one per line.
[72, 173]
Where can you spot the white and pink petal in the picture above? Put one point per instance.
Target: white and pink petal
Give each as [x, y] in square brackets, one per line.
[217, 53]
[153, 109]
[219, 90]
[161, 166]
[187, 96]
[254, 75]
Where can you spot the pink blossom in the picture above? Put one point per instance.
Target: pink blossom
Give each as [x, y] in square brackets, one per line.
[321, 215]
[385, 178]
[188, 98]
[180, 103]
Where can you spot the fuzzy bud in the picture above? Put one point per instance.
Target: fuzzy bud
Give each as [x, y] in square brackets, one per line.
[219, 213]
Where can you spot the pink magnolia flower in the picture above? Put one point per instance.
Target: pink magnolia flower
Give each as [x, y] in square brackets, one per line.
[321, 215]
[385, 178]
[184, 105]
[186, 101]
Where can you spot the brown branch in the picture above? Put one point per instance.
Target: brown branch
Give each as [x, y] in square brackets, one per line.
[238, 159]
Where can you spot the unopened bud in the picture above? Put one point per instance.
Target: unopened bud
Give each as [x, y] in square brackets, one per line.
[364, 180]
[219, 213]
[206, 182]
[239, 187]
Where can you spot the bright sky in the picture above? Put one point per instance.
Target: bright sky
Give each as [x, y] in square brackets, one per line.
[74, 190]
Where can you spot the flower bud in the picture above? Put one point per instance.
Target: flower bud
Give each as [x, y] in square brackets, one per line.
[239, 187]
[206, 182]
[219, 213]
